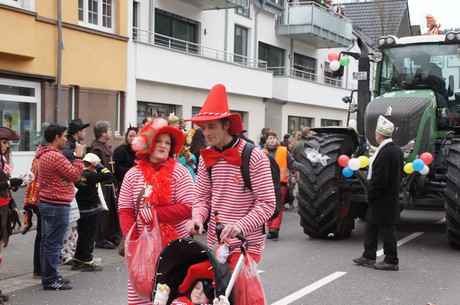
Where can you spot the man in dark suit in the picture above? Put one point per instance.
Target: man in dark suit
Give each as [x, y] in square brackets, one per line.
[383, 211]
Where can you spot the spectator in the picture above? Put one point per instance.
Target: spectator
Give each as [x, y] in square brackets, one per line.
[286, 142]
[108, 235]
[124, 155]
[262, 137]
[295, 138]
[241, 210]
[56, 176]
[299, 148]
[198, 143]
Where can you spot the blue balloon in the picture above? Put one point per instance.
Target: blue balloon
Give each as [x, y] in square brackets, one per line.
[418, 165]
[347, 172]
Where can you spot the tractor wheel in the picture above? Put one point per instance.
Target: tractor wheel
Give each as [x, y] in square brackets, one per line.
[323, 213]
[452, 191]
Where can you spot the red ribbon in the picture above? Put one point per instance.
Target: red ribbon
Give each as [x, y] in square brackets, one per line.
[211, 156]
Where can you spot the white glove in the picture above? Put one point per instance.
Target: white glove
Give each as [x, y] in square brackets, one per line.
[162, 295]
[145, 215]
[222, 300]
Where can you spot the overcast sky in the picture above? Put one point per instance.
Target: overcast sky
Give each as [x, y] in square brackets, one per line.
[446, 12]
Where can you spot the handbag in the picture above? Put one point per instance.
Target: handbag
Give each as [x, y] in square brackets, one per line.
[141, 257]
[121, 245]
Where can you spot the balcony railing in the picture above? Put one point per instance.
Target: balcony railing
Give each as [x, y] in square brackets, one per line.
[315, 25]
[187, 47]
[311, 77]
[217, 4]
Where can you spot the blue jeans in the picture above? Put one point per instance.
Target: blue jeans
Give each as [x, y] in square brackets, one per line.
[55, 219]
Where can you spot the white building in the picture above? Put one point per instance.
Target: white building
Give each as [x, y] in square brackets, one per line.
[271, 56]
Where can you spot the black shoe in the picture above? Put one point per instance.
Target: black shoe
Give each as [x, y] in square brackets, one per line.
[386, 266]
[57, 285]
[68, 263]
[273, 233]
[364, 261]
[105, 244]
[85, 266]
[64, 280]
[4, 297]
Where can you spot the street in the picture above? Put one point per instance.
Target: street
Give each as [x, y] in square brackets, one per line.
[294, 270]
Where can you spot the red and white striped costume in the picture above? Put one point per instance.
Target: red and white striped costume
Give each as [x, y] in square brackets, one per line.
[181, 193]
[249, 210]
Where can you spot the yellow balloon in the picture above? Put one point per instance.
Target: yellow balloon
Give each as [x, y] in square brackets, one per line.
[363, 161]
[408, 169]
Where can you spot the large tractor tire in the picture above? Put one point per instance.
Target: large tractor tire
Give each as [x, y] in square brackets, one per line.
[452, 193]
[323, 211]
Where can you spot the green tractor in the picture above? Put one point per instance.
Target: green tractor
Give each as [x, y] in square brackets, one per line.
[417, 88]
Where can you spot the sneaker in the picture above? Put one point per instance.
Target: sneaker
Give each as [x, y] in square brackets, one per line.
[105, 244]
[386, 266]
[3, 297]
[85, 266]
[273, 233]
[57, 285]
[64, 280]
[68, 263]
[364, 261]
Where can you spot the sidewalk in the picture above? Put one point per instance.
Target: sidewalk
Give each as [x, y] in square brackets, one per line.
[17, 267]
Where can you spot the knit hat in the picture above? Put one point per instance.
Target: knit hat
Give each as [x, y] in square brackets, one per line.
[90, 158]
[143, 142]
[384, 127]
[201, 270]
[216, 107]
[8, 134]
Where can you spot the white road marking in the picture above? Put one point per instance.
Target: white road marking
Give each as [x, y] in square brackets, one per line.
[306, 290]
[402, 241]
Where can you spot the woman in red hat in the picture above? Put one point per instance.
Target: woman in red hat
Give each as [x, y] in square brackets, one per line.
[167, 184]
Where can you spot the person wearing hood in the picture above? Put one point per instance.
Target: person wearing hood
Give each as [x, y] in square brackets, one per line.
[57, 176]
[287, 164]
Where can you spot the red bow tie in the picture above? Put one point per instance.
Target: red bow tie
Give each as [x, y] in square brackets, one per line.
[211, 156]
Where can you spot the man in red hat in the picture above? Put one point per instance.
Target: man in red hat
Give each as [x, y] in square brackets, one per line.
[241, 210]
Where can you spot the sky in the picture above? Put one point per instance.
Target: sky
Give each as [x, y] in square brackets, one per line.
[445, 12]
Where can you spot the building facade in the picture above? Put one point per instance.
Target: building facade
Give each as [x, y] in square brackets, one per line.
[61, 60]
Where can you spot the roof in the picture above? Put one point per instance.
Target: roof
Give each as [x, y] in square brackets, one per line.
[370, 15]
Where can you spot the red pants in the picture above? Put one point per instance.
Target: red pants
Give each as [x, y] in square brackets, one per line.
[248, 288]
[276, 223]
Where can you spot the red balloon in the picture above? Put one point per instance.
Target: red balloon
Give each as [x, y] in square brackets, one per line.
[333, 56]
[426, 157]
[343, 160]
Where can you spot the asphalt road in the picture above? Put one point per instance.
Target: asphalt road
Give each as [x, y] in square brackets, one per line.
[298, 270]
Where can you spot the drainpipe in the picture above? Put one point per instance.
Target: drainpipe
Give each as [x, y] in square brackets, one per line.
[59, 63]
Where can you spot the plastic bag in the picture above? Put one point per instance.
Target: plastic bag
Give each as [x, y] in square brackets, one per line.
[141, 256]
[248, 288]
[314, 156]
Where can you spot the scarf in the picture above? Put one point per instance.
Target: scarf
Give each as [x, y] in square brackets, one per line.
[158, 178]
[371, 160]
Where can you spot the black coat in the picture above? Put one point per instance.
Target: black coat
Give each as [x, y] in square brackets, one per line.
[383, 192]
[124, 158]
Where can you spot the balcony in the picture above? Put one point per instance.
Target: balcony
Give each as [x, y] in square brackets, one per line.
[270, 6]
[216, 4]
[312, 24]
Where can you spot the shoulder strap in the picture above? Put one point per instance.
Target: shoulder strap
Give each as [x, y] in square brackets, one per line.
[138, 201]
[246, 156]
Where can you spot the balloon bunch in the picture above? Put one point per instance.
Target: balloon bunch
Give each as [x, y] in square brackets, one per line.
[420, 164]
[336, 61]
[350, 165]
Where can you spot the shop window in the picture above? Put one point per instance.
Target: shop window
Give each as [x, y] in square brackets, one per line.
[19, 109]
[296, 123]
[327, 122]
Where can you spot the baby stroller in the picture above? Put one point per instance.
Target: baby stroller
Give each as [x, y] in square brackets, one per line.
[176, 258]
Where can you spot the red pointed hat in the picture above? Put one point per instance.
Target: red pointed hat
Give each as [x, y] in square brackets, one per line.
[216, 107]
[201, 270]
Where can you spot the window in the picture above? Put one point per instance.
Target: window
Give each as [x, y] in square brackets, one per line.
[19, 108]
[273, 56]
[136, 7]
[71, 103]
[305, 67]
[243, 11]
[182, 29]
[153, 110]
[327, 122]
[297, 123]
[97, 14]
[24, 4]
[241, 44]
[329, 76]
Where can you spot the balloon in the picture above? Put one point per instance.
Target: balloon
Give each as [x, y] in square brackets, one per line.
[426, 157]
[354, 164]
[347, 172]
[334, 65]
[425, 170]
[417, 164]
[352, 123]
[333, 56]
[343, 160]
[344, 61]
[363, 161]
[408, 169]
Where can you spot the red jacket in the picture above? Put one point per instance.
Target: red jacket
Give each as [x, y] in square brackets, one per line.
[57, 175]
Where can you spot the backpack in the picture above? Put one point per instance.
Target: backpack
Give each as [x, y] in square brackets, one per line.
[274, 169]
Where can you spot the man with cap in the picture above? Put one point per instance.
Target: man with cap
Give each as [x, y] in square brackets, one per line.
[75, 134]
[383, 211]
[241, 210]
